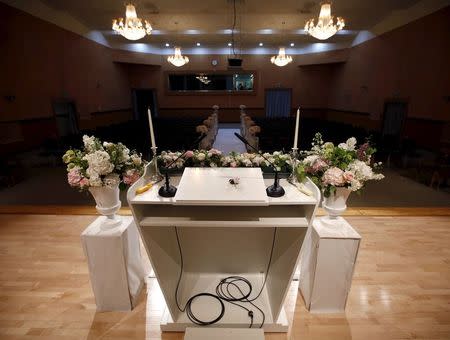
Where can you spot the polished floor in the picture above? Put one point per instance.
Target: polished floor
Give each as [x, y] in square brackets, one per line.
[401, 286]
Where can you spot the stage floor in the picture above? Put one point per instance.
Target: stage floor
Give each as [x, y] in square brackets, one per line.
[401, 286]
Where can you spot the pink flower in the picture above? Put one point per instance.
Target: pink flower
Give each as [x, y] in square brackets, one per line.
[361, 152]
[84, 182]
[319, 165]
[74, 177]
[348, 176]
[130, 177]
[189, 154]
[333, 176]
[233, 164]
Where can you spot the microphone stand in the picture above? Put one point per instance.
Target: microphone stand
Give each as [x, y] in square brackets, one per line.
[168, 190]
[275, 190]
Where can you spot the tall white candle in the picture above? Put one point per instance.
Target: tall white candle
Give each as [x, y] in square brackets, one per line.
[297, 122]
[152, 134]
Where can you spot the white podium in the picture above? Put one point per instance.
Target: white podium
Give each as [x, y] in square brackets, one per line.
[115, 266]
[327, 265]
[223, 230]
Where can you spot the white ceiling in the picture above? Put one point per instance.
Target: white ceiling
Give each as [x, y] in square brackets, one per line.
[184, 23]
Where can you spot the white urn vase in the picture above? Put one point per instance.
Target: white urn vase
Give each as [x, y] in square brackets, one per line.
[107, 204]
[335, 204]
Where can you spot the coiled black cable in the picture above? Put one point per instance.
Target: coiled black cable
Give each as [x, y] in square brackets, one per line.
[223, 292]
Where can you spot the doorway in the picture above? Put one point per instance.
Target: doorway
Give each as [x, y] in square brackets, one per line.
[144, 99]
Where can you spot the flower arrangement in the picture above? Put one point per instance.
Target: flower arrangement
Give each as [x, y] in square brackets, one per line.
[215, 158]
[102, 164]
[345, 165]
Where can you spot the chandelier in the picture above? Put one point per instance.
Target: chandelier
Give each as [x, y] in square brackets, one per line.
[177, 59]
[325, 27]
[281, 59]
[133, 28]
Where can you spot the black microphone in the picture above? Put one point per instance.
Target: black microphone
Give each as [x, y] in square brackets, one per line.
[169, 190]
[275, 190]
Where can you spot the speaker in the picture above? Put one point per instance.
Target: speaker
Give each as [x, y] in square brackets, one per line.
[234, 62]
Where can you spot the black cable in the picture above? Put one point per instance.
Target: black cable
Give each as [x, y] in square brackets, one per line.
[223, 292]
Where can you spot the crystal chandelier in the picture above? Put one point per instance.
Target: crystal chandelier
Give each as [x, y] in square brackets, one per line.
[281, 59]
[177, 59]
[133, 28]
[325, 27]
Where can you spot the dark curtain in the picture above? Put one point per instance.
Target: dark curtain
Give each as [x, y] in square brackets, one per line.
[278, 103]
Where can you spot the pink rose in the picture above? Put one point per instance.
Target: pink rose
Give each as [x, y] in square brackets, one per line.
[130, 177]
[189, 154]
[84, 182]
[74, 177]
[233, 164]
[348, 176]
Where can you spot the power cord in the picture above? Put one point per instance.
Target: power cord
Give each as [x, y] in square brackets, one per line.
[223, 292]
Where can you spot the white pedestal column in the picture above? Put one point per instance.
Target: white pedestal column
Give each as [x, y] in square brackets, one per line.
[327, 265]
[115, 266]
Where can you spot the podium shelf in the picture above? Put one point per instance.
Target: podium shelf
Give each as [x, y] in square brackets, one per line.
[266, 222]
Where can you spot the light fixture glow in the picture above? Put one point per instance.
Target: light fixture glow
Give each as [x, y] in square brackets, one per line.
[177, 59]
[132, 28]
[167, 45]
[261, 44]
[229, 44]
[198, 44]
[292, 44]
[281, 59]
[325, 27]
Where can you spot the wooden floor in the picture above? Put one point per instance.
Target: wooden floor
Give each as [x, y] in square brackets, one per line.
[401, 287]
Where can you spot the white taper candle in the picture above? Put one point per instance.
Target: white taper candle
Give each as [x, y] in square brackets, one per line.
[297, 122]
[152, 134]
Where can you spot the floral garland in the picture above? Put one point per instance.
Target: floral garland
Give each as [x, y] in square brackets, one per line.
[102, 164]
[345, 165]
[215, 158]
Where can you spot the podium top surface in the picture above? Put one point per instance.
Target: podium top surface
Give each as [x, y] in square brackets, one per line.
[211, 186]
[292, 196]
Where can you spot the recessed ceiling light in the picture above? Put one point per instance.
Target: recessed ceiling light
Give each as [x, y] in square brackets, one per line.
[261, 44]
[198, 44]
[167, 44]
[292, 44]
[229, 44]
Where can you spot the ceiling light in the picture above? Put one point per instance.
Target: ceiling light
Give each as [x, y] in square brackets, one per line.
[177, 59]
[198, 44]
[167, 44]
[133, 28]
[281, 59]
[261, 44]
[325, 27]
[292, 44]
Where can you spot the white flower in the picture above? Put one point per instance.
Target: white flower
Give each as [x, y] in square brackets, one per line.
[89, 143]
[95, 180]
[107, 145]
[213, 165]
[125, 155]
[310, 160]
[136, 159]
[349, 144]
[112, 180]
[363, 172]
[247, 162]
[201, 156]
[99, 162]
